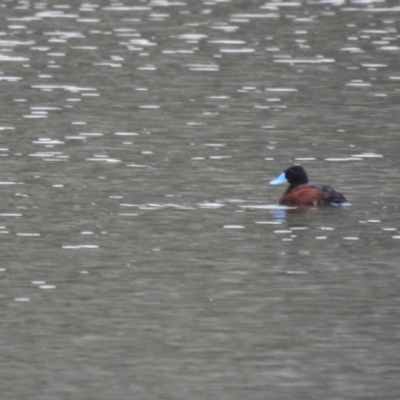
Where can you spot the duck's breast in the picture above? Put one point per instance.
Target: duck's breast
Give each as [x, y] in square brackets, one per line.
[302, 195]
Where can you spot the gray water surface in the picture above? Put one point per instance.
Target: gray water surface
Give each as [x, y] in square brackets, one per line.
[143, 252]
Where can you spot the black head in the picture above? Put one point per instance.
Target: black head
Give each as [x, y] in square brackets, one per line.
[296, 175]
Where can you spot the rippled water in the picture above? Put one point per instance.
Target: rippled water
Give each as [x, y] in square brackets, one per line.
[143, 253]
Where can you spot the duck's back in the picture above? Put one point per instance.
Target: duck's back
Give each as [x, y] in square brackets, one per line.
[311, 195]
[331, 197]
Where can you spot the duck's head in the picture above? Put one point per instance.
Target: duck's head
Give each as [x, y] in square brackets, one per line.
[295, 175]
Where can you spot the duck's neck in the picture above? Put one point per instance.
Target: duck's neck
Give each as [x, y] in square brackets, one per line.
[294, 185]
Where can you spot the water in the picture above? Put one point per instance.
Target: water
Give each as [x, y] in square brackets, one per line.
[143, 254]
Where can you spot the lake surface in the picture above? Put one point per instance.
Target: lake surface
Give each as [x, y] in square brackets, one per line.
[143, 252]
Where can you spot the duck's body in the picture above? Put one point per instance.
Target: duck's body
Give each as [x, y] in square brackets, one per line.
[301, 193]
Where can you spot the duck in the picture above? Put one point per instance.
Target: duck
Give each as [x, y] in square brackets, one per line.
[302, 193]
